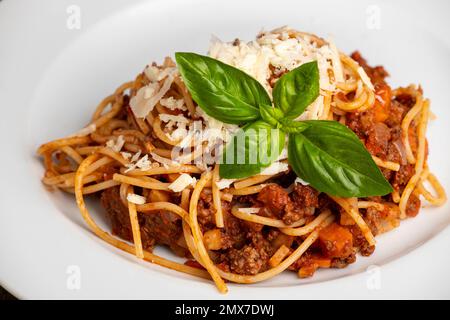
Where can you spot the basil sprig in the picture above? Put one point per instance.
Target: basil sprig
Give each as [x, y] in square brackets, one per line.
[222, 91]
[297, 89]
[326, 154]
[332, 158]
[254, 147]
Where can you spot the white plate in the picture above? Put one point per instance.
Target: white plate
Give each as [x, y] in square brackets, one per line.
[51, 78]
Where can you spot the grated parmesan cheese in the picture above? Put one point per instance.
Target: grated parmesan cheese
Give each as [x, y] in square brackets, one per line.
[126, 155]
[164, 161]
[116, 145]
[280, 50]
[301, 181]
[224, 183]
[144, 163]
[365, 78]
[136, 199]
[181, 183]
[85, 131]
[178, 134]
[136, 156]
[171, 103]
[165, 117]
[133, 161]
[275, 168]
[148, 96]
[155, 74]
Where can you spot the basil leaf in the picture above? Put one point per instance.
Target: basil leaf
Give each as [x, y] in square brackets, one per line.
[297, 89]
[275, 117]
[222, 91]
[333, 160]
[271, 115]
[252, 148]
[291, 126]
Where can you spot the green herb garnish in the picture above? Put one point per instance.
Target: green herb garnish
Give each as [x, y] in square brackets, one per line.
[326, 154]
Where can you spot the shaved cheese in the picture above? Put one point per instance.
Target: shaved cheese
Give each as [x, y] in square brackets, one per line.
[149, 91]
[314, 111]
[144, 163]
[152, 73]
[299, 180]
[116, 145]
[194, 182]
[249, 210]
[280, 50]
[126, 155]
[224, 183]
[365, 78]
[210, 121]
[215, 130]
[146, 98]
[164, 161]
[171, 71]
[85, 131]
[275, 168]
[133, 161]
[181, 183]
[178, 134]
[136, 199]
[155, 74]
[171, 103]
[139, 103]
[136, 156]
[165, 117]
[336, 61]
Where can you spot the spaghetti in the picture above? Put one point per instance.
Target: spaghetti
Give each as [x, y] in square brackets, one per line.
[247, 230]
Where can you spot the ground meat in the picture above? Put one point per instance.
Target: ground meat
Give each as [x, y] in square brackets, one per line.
[305, 196]
[164, 227]
[397, 112]
[246, 260]
[290, 208]
[252, 258]
[360, 122]
[205, 210]
[274, 197]
[343, 262]
[304, 260]
[158, 227]
[233, 228]
[402, 176]
[117, 213]
[359, 241]
[378, 140]
[373, 219]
